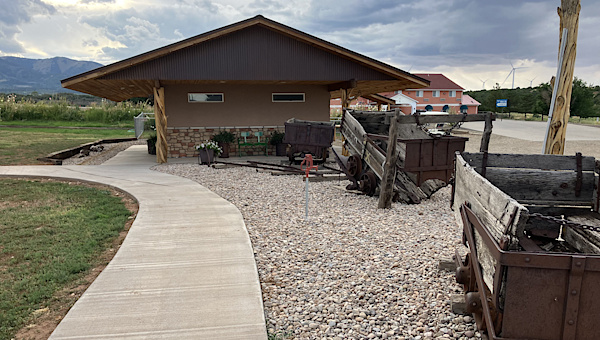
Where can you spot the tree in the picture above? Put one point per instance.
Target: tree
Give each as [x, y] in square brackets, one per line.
[582, 100]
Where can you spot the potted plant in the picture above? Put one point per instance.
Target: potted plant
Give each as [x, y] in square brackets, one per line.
[207, 151]
[152, 144]
[223, 139]
[277, 140]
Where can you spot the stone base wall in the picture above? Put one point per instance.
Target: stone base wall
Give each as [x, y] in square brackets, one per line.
[182, 140]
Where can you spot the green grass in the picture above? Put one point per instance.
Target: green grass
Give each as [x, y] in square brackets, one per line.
[51, 233]
[67, 123]
[21, 146]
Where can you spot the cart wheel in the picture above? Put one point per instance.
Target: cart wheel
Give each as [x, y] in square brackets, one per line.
[354, 166]
[368, 183]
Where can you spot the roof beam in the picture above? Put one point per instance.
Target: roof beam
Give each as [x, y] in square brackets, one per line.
[348, 84]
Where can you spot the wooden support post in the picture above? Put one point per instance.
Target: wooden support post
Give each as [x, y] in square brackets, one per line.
[160, 118]
[344, 102]
[569, 19]
[487, 132]
[389, 172]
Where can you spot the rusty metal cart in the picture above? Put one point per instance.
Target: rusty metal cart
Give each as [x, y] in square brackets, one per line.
[425, 161]
[308, 137]
[532, 228]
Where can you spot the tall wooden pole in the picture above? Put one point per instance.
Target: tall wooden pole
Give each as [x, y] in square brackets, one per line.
[160, 118]
[569, 19]
[389, 172]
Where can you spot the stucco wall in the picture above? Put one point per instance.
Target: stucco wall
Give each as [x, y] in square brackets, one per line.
[244, 105]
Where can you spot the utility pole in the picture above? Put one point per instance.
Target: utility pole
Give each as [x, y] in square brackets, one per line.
[560, 111]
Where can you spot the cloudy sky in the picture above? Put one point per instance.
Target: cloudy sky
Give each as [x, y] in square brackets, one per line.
[470, 41]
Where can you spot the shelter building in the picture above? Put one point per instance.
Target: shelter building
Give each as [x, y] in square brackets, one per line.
[252, 75]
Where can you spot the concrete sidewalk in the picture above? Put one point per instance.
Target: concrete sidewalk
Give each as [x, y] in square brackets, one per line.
[186, 269]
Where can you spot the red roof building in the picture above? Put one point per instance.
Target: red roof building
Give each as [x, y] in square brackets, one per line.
[442, 94]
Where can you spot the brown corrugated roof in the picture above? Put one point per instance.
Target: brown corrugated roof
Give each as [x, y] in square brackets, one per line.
[438, 81]
[104, 82]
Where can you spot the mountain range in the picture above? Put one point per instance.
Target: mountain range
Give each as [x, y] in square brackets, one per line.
[22, 75]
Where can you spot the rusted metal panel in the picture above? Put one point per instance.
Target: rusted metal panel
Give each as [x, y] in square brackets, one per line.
[550, 296]
[432, 158]
[255, 53]
[307, 137]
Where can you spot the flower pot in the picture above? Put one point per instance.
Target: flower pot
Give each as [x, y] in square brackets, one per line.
[151, 147]
[225, 148]
[206, 156]
[280, 149]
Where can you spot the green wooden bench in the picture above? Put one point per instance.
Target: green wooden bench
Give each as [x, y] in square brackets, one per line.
[260, 141]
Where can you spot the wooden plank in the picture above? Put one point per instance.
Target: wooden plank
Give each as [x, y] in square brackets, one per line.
[449, 118]
[546, 162]
[531, 185]
[389, 172]
[486, 261]
[590, 236]
[580, 241]
[497, 211]
[374, 159]
[354, 134]
[406, 185]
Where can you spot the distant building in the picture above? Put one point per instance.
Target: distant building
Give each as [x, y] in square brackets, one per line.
[442, 95]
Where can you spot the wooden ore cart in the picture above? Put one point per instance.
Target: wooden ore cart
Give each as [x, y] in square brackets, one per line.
[308, 137]
[425, 162]
[531, 225]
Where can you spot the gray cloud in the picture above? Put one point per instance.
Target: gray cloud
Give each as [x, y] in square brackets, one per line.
[425, 34]
[13, 15]
[97, 1]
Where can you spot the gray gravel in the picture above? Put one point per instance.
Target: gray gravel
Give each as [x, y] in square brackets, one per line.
[97, 158]
[350, 272]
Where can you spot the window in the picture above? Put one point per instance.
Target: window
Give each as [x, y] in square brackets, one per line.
[288, 97]
[428, 108]
[452, 93]
[205, 98]
[464, 108]
[446, 108]
[419, 93]
[436, 93]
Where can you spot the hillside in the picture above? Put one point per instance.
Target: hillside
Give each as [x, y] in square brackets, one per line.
[22, 75]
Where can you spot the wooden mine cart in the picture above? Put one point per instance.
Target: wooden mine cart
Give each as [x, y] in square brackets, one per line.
[531, 225]
[424, 164]
[308, 137]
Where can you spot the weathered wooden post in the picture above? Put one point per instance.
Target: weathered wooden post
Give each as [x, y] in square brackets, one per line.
[389, 172]
[160, 118]
[487, 133]
[557, 130]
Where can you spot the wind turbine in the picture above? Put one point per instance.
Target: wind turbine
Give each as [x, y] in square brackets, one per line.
[483, 83]
[531, 81]
[513, 74]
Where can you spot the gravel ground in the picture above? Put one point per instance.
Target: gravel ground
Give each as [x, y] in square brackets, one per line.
[97, 158]
[350, 272]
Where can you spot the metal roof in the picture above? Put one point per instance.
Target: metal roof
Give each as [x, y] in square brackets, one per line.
[253, 51]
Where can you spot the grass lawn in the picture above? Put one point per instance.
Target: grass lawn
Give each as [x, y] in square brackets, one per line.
[52, 235]
[58, 123]
[22, 146]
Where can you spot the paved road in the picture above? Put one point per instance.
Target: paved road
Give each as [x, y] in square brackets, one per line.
[186, 269]
[535, 131]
